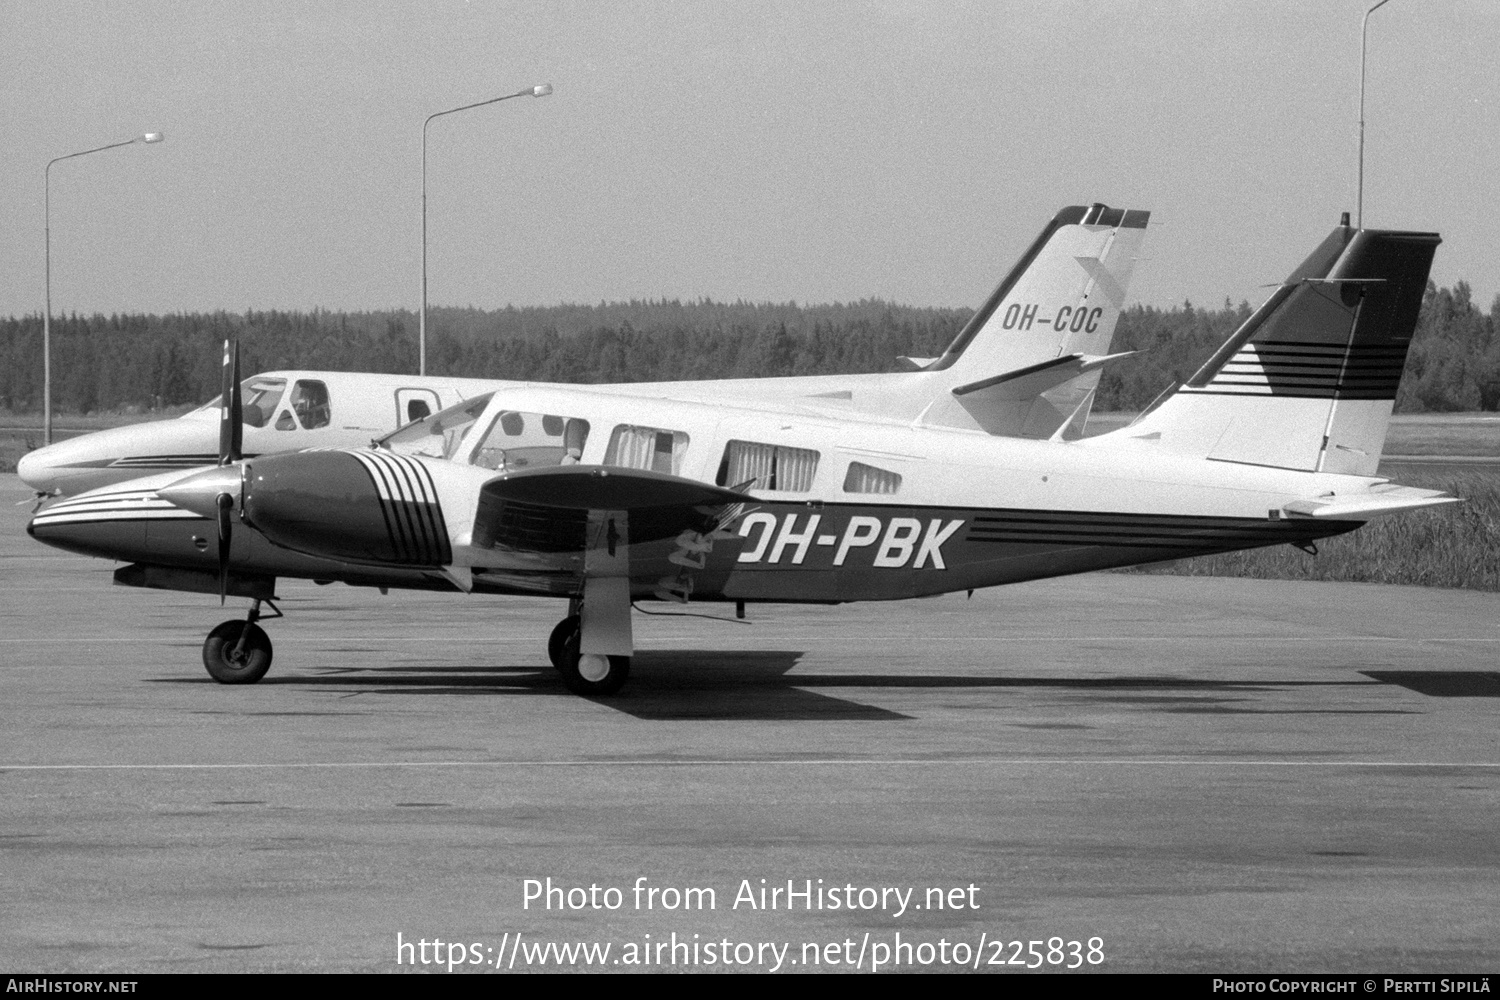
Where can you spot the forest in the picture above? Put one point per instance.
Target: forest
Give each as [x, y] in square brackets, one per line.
[131, 362]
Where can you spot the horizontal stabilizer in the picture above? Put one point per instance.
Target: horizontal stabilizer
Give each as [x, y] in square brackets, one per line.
[913, 364]
[1024, 383]
[1380, 500]
[1050, 399]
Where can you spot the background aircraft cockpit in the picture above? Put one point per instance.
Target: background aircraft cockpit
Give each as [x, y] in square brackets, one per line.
[309, 401]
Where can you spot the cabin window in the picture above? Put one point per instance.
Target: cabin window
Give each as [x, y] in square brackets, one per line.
[415, 404]
[309, 400]
[441, 434]
[768, 467]
[863, 478]
[260, 398]
[519, 440]
[647, 448]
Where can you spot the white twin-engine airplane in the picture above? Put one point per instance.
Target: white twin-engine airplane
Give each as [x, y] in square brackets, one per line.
[1033, 371]
[608, 495]
[283, 411]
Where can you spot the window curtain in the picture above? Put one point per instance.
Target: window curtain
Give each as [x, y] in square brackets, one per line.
[863, 478]
[636, 448]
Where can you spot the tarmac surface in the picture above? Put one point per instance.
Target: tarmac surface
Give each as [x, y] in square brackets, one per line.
[1198, 775]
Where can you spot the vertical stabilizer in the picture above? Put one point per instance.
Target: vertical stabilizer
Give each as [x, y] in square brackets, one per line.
[1061, 301]
[1309, 381]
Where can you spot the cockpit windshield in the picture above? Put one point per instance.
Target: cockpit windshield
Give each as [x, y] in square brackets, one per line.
[440, 435]
[259, 395]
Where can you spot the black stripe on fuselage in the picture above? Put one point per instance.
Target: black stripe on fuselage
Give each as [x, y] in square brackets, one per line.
[1153, 531]
[164, 461]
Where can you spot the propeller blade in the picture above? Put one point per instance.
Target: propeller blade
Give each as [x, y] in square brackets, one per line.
[225, 503]
[232, 410]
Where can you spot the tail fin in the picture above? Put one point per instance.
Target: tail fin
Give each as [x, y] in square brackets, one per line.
[1309, 381]
[1056, 312]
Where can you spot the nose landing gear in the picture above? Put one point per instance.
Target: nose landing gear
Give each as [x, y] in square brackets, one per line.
[239, 652]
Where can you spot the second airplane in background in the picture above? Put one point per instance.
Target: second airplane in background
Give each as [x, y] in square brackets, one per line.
[283, 411]
[1028, 370]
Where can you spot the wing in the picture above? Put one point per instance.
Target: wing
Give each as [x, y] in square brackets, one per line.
[547, 510]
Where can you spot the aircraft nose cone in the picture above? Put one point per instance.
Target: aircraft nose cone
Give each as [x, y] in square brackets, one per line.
[200, 492]
[37, 469]
[366, 506]
[118, 454]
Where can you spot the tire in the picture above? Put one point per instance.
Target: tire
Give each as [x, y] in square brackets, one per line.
[218, 653]
[594, 676]
[564, 630]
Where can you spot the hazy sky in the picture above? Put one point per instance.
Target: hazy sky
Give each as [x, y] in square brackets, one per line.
[767, 151]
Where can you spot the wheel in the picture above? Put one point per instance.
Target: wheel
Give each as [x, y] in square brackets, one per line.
[246, 668]
[591, 674]
[559, 639]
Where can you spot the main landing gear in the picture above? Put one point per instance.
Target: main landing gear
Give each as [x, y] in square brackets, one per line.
[239, 652]
[589, 674]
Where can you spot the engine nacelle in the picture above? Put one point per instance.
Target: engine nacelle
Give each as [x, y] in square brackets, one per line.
[357, 506]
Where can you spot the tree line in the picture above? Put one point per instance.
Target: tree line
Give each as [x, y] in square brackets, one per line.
[103, 363]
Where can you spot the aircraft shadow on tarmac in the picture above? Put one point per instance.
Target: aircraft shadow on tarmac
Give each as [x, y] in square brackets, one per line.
[1442, 683]
[758, 685]
[664, 685]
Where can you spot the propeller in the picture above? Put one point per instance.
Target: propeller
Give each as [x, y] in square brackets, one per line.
[225, 503]
[232, 412]
[231, 439]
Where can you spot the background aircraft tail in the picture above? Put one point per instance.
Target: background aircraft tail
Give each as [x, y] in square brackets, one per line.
[1027, 363]
[1309, 380]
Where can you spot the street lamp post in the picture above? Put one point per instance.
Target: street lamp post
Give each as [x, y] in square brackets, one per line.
[147, 137]
[1359, 204]
[540, 90]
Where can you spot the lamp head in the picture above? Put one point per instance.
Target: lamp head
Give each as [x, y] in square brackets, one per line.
[541, 90]
[152, 137]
